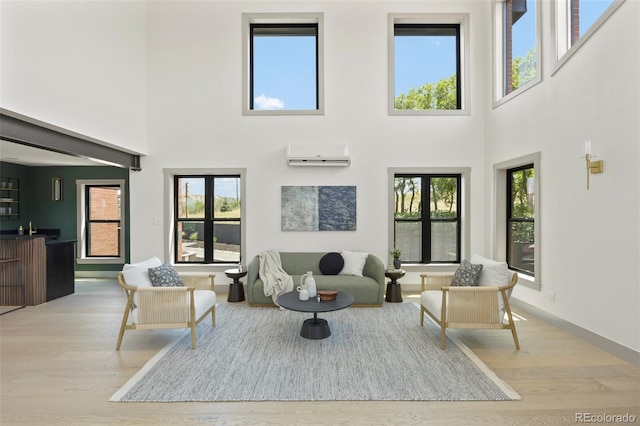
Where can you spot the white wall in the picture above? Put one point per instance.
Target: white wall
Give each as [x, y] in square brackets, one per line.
[78, 65]
[590, 239]
[165, 78]
[195, 120]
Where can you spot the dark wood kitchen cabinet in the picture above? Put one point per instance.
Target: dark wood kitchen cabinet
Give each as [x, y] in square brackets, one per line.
[60, 268]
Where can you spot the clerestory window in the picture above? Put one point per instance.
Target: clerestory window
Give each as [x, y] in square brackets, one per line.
[427, 65]
[283, 64]
[516, 47]
[576, 21]
[583, 14]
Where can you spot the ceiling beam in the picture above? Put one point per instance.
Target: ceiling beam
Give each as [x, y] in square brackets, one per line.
[21, 130]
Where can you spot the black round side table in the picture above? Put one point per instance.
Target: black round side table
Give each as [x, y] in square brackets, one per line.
[394, 292]
[236, 290]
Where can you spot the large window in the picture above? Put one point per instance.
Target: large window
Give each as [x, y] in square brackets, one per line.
[517, 236]
[427, 217]
[576, 21]
[103, 217]
[427, 57]
[521, 219]
[517, 46]
[283, 64]
[101, 225]
[207, 218]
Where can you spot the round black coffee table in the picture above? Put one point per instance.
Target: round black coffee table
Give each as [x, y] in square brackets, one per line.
[314, 328]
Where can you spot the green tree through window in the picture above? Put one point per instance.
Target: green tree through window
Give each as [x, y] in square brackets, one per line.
[442, 94]
[427, 66]
[433, 235]
[521, 218]
[524, 69]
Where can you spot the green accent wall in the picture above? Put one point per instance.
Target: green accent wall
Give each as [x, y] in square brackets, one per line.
[9, 170]
[37, 206]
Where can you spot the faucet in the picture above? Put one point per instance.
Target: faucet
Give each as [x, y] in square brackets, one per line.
[31, 230]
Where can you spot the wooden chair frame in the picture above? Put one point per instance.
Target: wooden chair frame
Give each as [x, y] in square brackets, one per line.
[163, 307]
[468, 307]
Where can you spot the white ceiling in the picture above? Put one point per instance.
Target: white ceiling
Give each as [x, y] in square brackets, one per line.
[25, 155]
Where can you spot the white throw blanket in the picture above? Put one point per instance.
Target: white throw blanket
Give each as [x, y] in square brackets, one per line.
[275, 280]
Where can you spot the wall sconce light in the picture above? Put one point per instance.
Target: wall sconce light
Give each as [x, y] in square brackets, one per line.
[56, 189]
[593, 167]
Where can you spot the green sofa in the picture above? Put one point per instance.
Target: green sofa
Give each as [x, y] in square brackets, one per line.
[368, 290]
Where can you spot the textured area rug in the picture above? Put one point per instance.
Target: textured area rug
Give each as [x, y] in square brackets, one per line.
[257, 354]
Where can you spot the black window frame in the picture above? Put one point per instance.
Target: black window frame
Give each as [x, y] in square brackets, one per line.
[511, 219]
[427, 219]
[423, 29]
[208, 220]
[283, 29]
[89, 222]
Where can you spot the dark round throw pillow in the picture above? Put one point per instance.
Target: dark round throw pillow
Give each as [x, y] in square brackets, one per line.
[331, 263]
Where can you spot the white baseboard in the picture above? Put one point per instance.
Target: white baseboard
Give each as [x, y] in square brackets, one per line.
[616, 349]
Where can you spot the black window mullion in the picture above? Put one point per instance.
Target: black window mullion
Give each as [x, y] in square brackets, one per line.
[458, 210]
[509, 213]
[458, 70]
[176, 222]
[317, 72]
[426, 219]
[87, 215]
[208, 222]
[251, 27]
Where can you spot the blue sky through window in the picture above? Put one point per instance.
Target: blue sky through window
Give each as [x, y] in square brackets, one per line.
[423, 59]
[224, 186]
[590, 11]
[284, 72]
[285, 67]
[524, 31]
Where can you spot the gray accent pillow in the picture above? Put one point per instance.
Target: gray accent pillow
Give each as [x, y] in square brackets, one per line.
[165, 275]
[467, 274]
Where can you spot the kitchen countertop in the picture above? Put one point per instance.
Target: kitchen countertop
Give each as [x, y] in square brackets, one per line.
[20, 237]
[49, 239]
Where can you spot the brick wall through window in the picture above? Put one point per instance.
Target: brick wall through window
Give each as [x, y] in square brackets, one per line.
[104, 221]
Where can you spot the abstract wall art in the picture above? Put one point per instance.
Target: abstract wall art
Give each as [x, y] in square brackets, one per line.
[318, 208]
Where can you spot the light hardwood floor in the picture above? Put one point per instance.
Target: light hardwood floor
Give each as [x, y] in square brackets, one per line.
[59, 366]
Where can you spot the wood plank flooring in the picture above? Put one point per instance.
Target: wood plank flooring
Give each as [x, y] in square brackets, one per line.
[58, 365]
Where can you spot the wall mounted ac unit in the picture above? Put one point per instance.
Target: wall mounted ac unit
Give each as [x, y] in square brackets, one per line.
[318, 155]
